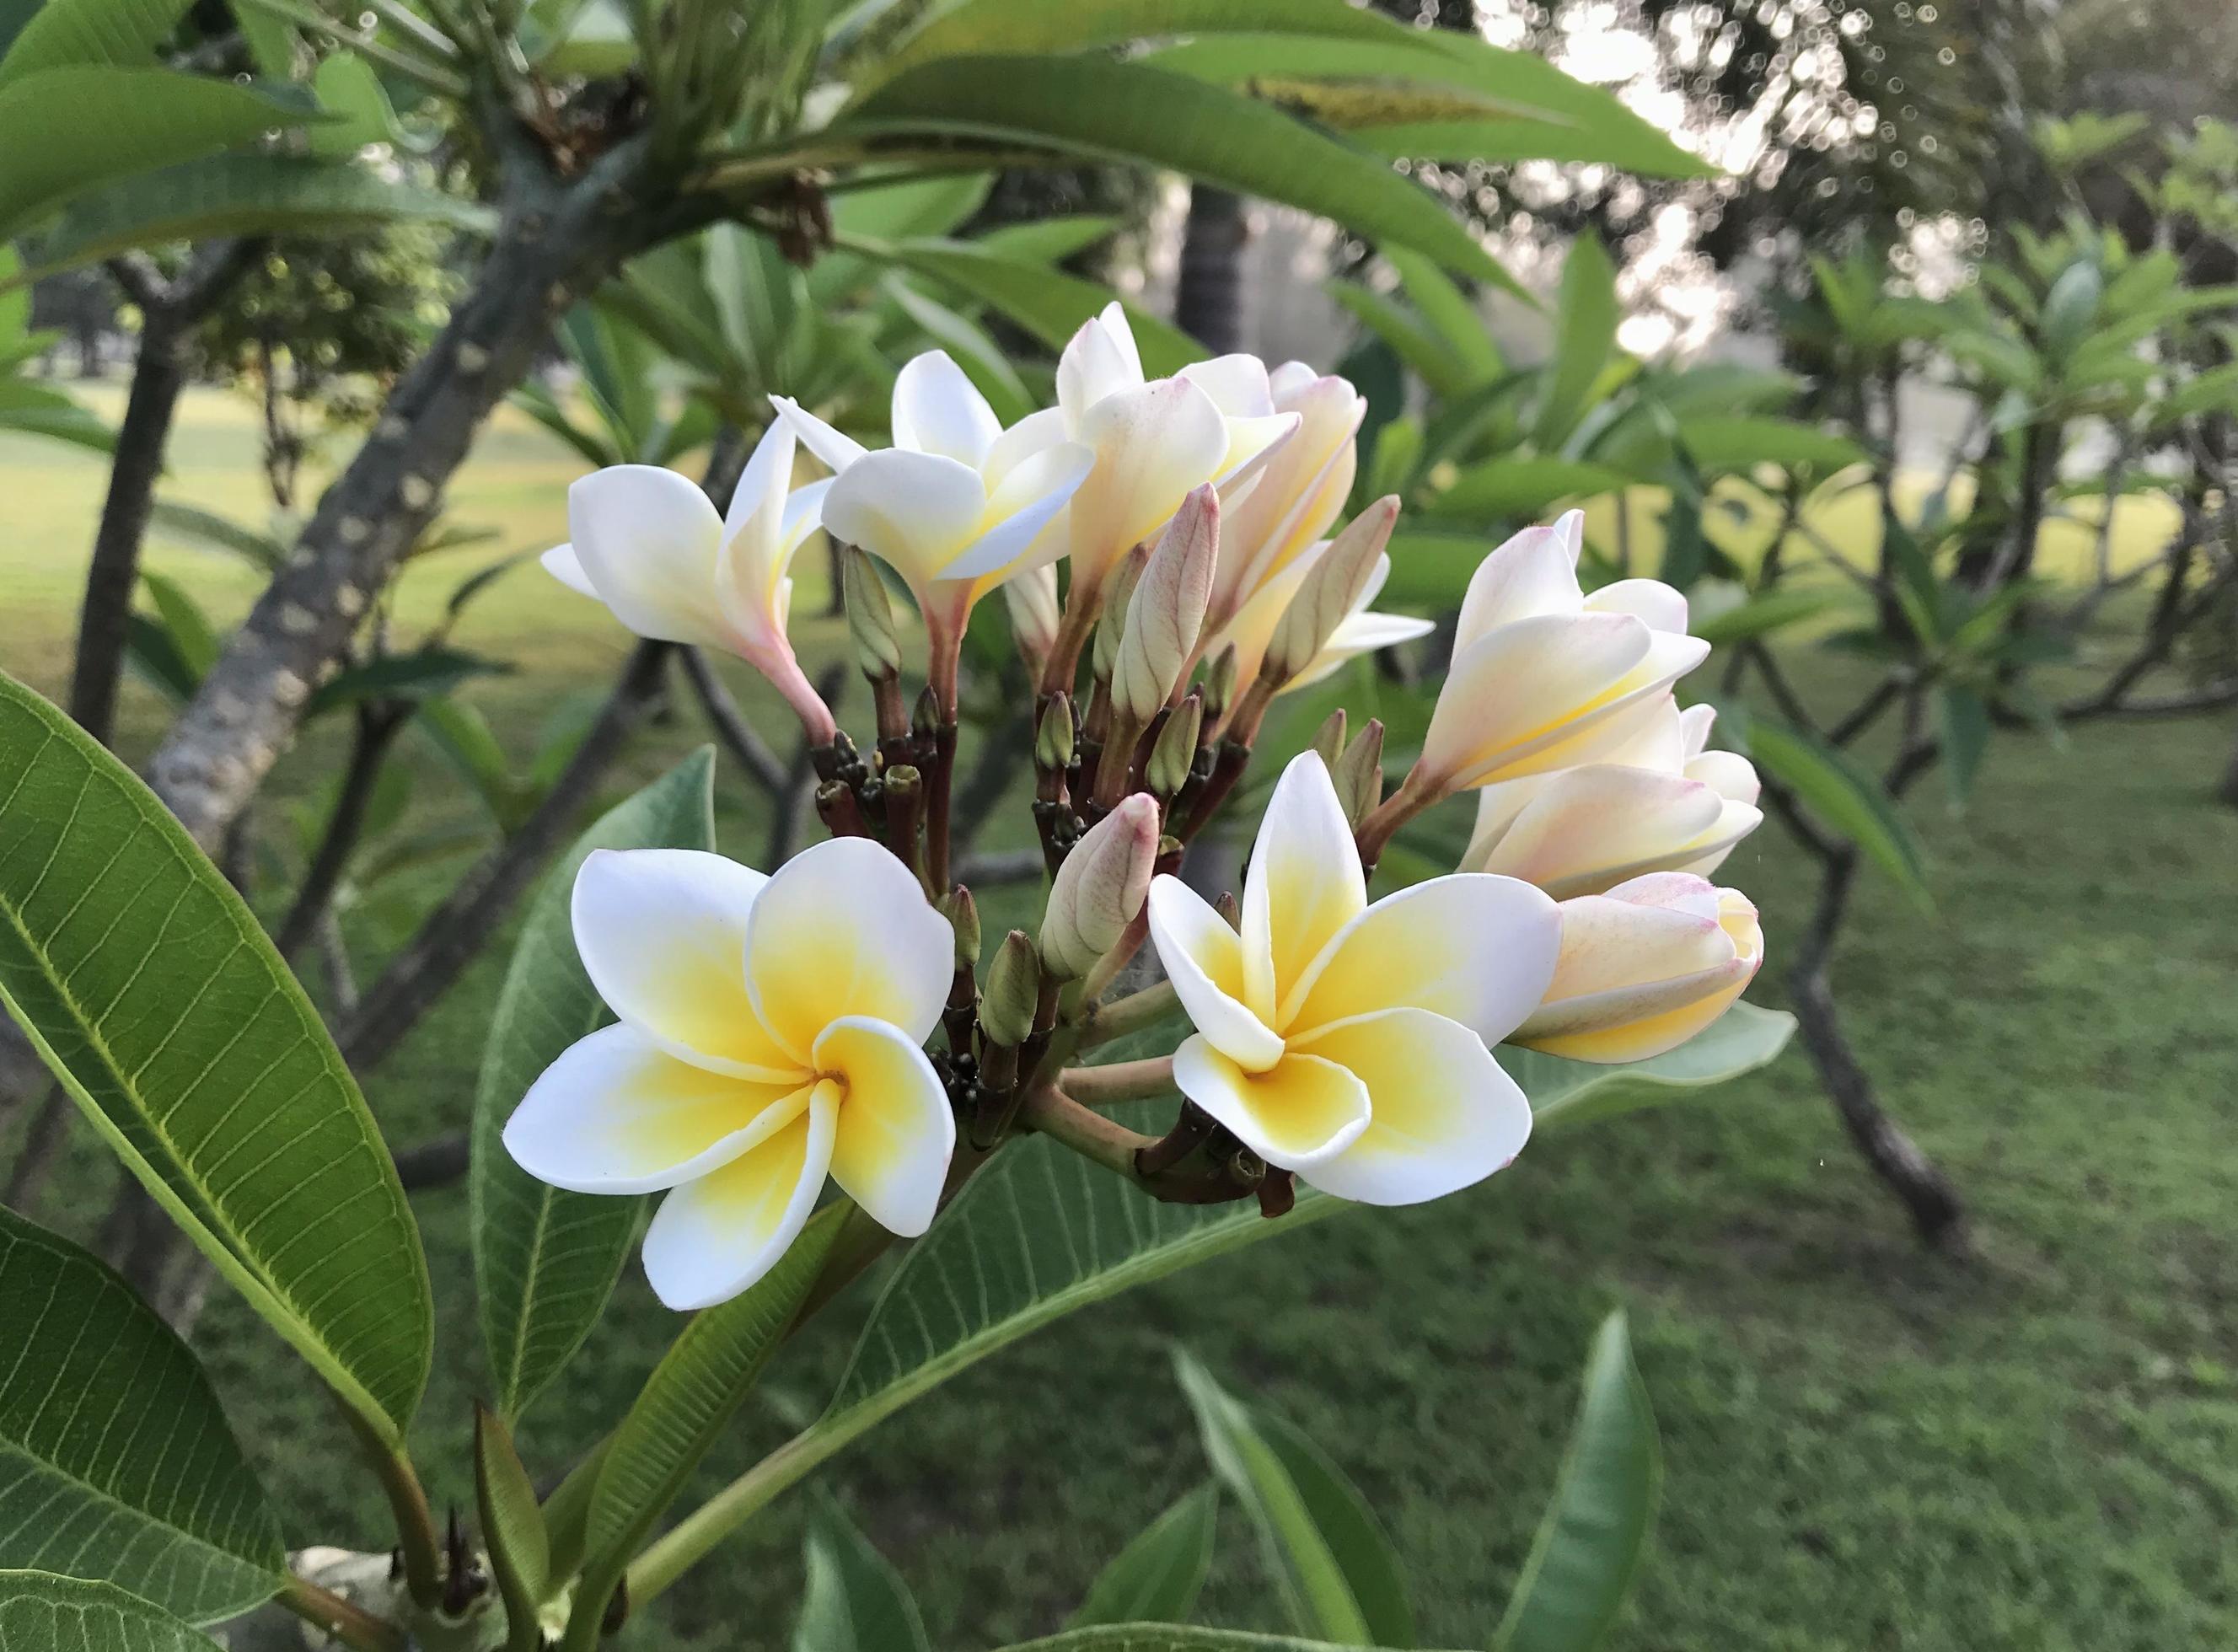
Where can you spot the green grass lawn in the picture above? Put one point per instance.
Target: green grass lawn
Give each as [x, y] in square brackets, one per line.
[1866, 1448]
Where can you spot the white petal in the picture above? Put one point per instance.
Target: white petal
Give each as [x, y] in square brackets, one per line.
[896, 1132]
[1531, 574]
[1732, 775]
[1299, 1113]
[1694, 723]
[561, 563]
[1152, 446]
[938, 409]
[1204, 960]
[915, 511]
[1304, 885]
[1032, 435]
[1355, 635]
[1101, 361]
[617, 1114]
[1649, 599]
[1028, 501]
[759, 537]
[1594, 827]
[662, 933]
[841, 930]
[647, 539]
[1527, 685]
[1443, 1116]
[715, 1236]
[1237, 385]
[835, 449]
[1475, 950]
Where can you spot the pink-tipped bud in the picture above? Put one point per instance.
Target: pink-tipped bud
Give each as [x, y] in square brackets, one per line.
[1100, 887]
[1336, 585]
[1166, 612]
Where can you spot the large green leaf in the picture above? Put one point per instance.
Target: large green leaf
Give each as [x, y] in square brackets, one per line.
[241, 194]
[698, 1383]
[1585, 333]
[1157, 1578]
[1846, 795]
[115, 1462]
[1173, 1637]
[1340, 1577]
[1450, 312]
[1120, 111]
[1522, 486]
[1566, 1093]
[40, 1612]
[546, 1259]
[1733, 442]
[1589, 1546]
[1048, 303]
[68, 130]
[855, 1601]
[154, 995]
[1409, 335]
[60, 33]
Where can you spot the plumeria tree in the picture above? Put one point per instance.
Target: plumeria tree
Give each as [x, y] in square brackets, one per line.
[809, 1063]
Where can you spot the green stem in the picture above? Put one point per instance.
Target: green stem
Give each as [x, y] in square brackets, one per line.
[415, 1522]
[1096, 1086]
[1129, 1015]
[688, 1542]
[1091, 1135]
[345, 1621]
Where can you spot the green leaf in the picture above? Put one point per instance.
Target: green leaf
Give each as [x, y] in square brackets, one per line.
[1585, 333]
[1430, 572]
[1049, 303]
[1157, 1579]
[1521, 485]
[207, 530]
[566, 1518]
[347, 86]
[1731, 442]
[1450, 312]
[66, 131]
[982, 360]
[153, 652]
[513, 1526]
[157, 998]
[1568, 1093]
[907, 208]
[1833, 786]
[1595, 1531]
[184, 622]
[65, 33]
[422, 674]
[1050, 241]
[1765, 612]
[40, 1612]
[1340, 1577]
[1407, 333]
[1963, 715]
[544, 1260]
[855, 1601]
[701, 1380]
[1120, 111]
[165, 1502]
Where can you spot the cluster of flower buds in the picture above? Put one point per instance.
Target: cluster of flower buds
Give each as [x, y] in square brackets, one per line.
[772, 1029]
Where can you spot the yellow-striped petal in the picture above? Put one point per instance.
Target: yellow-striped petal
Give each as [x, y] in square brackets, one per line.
[1299, 1113]
[896, 1131]
[713, 1236]
[1204, 960]
[1305, 884]
[1443, 1116]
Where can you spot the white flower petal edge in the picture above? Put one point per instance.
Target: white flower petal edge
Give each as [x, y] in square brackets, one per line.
[1204, 960]
[1299, 1113]
[1305, 885]
[896, 1132]
[713, 1236]
[1443, 1116]
[647, 541]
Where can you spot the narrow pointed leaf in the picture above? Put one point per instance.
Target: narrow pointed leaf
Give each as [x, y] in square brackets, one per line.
[40, 1612]
[1586, 327]
[115, 1461]
[1157, 1579]
[513, 1526]
[1833, 786]
[62, 33]
[154, 995]
[1173, 1637]
[855, 1601]
[545, 1260]
[1589, 1544]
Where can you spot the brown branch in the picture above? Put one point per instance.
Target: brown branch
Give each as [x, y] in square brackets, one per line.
[730, 723]
[378, 725]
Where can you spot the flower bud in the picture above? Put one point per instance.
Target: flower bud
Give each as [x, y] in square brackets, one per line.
[1053, 740]
[962, 911]
[1175, 750]
[1335, 587]
[1100, 887]
[1013, 992]
[1031, 599]
[1118, 598]
[925, 715]
[1358, 774]
[1219, 682]
[1165, 613]
[1644, 967]
[1229, 908]
[870, 616]
[1328, 739]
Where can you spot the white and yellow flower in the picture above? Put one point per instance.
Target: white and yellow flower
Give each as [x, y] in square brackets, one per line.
[1360, 631]
[1537, 664]
[1350, 1042]
[1644, 967]
[646, 543]
[1657, 802]
[1281, 517]
[770, 1033]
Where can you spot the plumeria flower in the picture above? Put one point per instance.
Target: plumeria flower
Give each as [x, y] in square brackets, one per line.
[1154, 441]
[1350, 1042]
[647, 544]
[1644, 967]
[1658, 803]
[955, 505]
[1359, 633]
[1537, 662]
[771, 1033]
[1281, 517]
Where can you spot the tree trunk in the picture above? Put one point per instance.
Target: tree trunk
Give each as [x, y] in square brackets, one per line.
[1209, 302]
[1927, 1194]
[559, 238]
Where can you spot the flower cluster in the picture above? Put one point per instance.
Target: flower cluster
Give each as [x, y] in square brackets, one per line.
[772, 1030]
